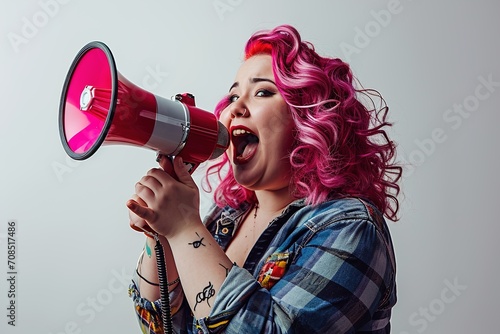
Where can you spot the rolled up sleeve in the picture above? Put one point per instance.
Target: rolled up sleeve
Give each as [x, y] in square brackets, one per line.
[149, 313]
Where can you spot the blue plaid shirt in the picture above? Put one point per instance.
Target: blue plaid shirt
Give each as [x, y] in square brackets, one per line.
[328, 268]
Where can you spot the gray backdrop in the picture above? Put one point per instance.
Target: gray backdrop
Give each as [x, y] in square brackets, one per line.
[435, 62]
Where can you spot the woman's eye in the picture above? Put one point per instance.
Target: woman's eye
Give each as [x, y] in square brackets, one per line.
[233, 98]
[264, 93]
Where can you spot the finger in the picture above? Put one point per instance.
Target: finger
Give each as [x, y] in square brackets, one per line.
[162, 178]
[152, 179]
[147, 188]
[135, 219]
[138, 200]
[141, 227]
[136, 227]
[181, 170]
[141, 211]
[136, 222]
[166, 164]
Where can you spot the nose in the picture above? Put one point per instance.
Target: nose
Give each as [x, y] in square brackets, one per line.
[238, 110]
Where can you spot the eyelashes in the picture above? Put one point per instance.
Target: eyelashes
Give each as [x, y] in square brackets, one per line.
[232, 98]
[260, 93]
[264, 93]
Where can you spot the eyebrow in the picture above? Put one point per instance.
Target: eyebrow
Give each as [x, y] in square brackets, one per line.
[253, 80]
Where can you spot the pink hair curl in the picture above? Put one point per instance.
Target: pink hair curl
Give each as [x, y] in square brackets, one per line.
[341, 147]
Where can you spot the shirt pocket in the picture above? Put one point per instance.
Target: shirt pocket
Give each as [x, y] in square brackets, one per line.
[274, 268]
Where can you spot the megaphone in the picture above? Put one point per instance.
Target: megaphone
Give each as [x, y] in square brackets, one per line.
[99, 106]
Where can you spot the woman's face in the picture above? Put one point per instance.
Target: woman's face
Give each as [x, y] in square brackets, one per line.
[260, 126]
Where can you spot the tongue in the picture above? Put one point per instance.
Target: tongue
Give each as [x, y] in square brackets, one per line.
[248, 152]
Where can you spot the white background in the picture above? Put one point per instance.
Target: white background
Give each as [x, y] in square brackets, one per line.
[429, 59]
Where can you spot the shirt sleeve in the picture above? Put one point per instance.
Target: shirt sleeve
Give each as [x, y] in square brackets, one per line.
[149, 313]
[338, 275]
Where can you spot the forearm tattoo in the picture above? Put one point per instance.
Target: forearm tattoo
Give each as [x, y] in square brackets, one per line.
[207, 293]
[148, 249]
[197, 243]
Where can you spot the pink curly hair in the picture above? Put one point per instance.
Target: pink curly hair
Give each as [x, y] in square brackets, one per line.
[341, 148]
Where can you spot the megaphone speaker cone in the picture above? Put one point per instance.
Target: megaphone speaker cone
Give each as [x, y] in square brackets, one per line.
[88, 101]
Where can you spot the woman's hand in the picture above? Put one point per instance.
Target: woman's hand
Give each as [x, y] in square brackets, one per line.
[136, 222]
[164, 203]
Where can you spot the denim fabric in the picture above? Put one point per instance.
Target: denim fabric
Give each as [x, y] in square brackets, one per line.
[316, 269]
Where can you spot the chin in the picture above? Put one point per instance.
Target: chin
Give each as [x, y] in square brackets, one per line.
[245, 177]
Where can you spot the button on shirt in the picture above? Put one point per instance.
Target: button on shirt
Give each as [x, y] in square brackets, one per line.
[328, 268]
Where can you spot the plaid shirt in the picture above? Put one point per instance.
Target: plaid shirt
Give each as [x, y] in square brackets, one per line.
[328, 268]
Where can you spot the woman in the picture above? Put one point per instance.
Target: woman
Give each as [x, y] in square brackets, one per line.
[296, 241]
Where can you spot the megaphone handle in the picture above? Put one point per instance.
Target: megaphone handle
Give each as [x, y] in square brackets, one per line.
[169, 168]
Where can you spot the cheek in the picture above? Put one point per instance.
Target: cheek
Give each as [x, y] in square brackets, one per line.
[287, 136]
[225, 118]
[286, 143]
[276, 125]
[279, 146]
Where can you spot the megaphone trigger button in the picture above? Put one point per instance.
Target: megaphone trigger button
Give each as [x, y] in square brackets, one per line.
[186, 98]
[189, 167]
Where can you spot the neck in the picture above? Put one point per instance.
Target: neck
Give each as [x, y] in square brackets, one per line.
[273, 202]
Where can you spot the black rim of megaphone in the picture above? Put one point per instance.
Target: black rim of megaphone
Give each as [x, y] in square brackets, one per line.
[111, 112]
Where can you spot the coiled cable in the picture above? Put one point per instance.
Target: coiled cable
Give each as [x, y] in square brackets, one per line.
[164, 297]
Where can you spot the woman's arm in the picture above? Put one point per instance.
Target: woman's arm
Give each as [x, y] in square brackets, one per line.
[145, 289]
[147, 269]
[202, 266]
[171, 208]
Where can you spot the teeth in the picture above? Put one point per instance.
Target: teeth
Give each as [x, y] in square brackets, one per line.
[240, 132]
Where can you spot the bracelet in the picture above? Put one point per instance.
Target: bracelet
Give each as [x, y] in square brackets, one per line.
[145, 280]
[177, 280]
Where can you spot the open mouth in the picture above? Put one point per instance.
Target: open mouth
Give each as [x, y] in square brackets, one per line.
[245, 144]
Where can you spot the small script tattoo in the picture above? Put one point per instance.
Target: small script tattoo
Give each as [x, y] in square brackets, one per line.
[197, 243]
[207, 293]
